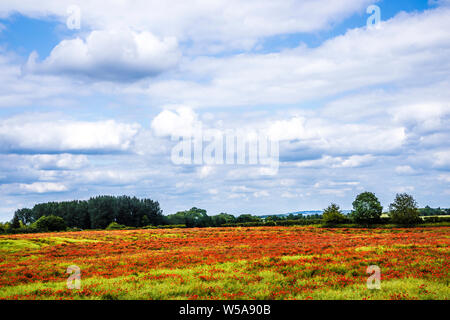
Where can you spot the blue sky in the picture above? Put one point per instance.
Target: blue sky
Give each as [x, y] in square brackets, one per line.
[94, 110]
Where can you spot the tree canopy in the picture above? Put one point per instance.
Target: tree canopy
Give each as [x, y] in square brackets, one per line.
[366, 208]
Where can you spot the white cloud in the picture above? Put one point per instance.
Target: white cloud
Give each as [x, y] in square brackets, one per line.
[444, 177]
[403, 189]
[205, 171]
[404, 170]
[113, 55]
[213, 191]
[323, 134]
[240, 189]
[212, 26]
[441, 159]
[25, 134]
[405, 46]
[59, 161]
[181, 122]
[43, 187]
[259, 194]
[111, 176]
[289, 195]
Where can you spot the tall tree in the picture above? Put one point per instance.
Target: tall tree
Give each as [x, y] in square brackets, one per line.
[366, 208]
[404, 210]
[333, 215]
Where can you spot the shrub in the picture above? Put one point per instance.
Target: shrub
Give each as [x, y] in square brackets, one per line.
[436, 219]
[50, 223]
[115, 226]
[171, 226]
[404, 210]
[333, 215]
[366, 209]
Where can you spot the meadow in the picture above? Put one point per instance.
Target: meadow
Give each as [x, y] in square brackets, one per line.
[228, 263]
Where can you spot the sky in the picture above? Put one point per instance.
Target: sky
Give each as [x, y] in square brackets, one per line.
[94, 99]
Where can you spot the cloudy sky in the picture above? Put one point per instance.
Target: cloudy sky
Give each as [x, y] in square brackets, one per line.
[92, 95]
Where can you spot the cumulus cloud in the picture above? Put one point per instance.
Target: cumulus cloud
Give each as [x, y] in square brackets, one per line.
[111, 55]
[441, 159]
[404, 170]
[404, 46]
[212, 26]
[63, 161]
[43, 187]
[362, 107]
[27, 135]
[323, 134]
[183, 121]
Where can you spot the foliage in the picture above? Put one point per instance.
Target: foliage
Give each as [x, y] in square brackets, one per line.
[131, 212]
[115, 226]
[50, 223]
[366, 209]
[333, 215]
[15, 223]
[427, 211]
[404, 210]
[97, 212]
[194, 217]
[25, 215]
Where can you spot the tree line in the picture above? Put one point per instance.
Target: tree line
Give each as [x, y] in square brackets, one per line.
[95, 213]
[367, 210]
[120, 212]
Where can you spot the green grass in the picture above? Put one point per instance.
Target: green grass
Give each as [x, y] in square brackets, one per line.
[14, 245]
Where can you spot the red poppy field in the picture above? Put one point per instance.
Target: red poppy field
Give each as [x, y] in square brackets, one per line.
[228, 263]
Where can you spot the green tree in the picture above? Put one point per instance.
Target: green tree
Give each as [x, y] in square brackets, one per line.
[404, 210]
[15, 222]
[222, 219]
[25, 215]
[145, 221]
[50, 223]
[366, 208]
[333, 215]
[193, 217]
[248, 218]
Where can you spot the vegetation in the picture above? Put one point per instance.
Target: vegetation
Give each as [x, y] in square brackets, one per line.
[404, 210]
[50, 223]
[227, 263]
[366, 209]
[333, 215]
[123, 212]
[427, 211]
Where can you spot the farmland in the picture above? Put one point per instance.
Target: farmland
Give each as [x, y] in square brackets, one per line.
[228, 263]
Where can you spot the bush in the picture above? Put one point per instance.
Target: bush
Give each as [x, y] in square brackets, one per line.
[333, 215]
[436, 219]
[50, 223]
[171, 226]
[115, 226]
[404, 210]
[366, 209]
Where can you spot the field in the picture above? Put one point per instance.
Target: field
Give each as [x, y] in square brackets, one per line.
[228, 263]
